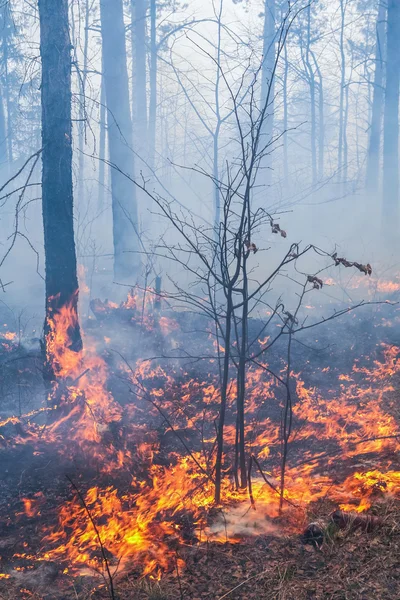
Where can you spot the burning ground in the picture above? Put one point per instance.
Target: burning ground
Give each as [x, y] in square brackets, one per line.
[112, 480]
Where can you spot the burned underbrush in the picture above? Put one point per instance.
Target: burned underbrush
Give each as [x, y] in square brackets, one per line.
[114, 480]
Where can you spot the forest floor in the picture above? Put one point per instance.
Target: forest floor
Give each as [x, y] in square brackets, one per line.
[351, 565]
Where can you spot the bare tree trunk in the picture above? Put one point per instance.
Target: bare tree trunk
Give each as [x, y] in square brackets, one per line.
[311, 83]
[343, 5]
[268, 86]
[285, 117]
[224, 394]
[124, 206]
[57, 191]
[139, 95]
[391, 124]
[345, 143]
[242, 380]
[5, 51]
[372, 175]
[102, 144]
[217, 199]
[321, 119]
[153, 84]
[82, 104]
[3, 134]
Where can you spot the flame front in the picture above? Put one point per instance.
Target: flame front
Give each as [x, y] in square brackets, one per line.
[157, 498]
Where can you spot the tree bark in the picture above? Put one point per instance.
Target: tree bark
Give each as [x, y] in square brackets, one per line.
[268, 85]
[3, 134]
[343, 5]
[313, 112]
[139, 95]
[5, 52]
[82, 105]
[124, 206]
[391, 124]
[102, 144]
[224, 395]
[372, 175]
[57, 190]
[153, 84]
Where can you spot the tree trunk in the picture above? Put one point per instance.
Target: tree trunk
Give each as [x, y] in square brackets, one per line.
[102, 144]
[5, 51]
[224, 394]
[285, 118]
[82, 105]
[139, 95]
[372, 178]
[268, 86]
[124, 206]
[311, 83]
[153, 84]
[3, 134]
[391, 124]
[57, 191]
[241, 393]
[343, 4]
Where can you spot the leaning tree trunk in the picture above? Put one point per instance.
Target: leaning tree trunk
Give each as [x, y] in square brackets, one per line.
[57, 191]
[124, 206]
[391, 125]
[372, 176]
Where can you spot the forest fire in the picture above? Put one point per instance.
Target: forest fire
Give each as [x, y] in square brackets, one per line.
[153, 507]
[199, 342]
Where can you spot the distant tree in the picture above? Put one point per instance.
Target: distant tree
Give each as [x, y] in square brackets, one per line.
[372, 179]
[391, 124]
[120, 141]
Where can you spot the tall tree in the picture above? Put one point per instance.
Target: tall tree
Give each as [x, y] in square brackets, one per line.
[342, 97]
[153, 83]
[124, 206]
[372, 179]
[391, 122]
[3, 134]
[139, 78]
[57, 190]
[268, 83]
[6, 33]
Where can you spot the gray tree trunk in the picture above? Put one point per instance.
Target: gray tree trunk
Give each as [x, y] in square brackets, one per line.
[57, 191]
[139, 95]
[3, 135]
[124, 206]
[82, 105]
[5, 35]
[102, 144]
[373, 156]
[153, 84]
[268, 86]
[343, 5]
[391, 124]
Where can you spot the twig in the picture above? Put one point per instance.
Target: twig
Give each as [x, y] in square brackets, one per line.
[103, 553]
[271, 485]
